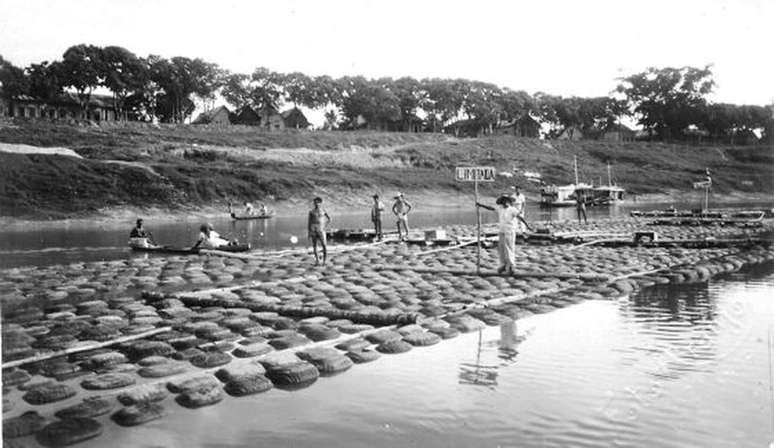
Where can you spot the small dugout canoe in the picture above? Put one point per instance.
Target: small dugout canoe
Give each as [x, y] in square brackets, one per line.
[268, 215]
[188, 250]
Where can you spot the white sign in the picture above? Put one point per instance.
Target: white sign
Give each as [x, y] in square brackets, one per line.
[473, 173]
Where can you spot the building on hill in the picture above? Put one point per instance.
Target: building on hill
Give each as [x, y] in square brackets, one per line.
[220, 116]
[526, 126]
[271, 119]
[618, 132]
[295, 119]
[246, 115]
[464, 128]
[63, 107]
[3, 107]
[573, 133]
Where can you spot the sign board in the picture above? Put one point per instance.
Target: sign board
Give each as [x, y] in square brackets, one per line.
[475, 173]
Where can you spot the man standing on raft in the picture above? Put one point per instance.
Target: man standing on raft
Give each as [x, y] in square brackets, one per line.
[318, 220]
[508, 219]
[401, 208]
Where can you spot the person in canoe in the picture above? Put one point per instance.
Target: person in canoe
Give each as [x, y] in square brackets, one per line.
[318, 221]
[249, 210]
[210, 239]
[139, 237]
[264, 211]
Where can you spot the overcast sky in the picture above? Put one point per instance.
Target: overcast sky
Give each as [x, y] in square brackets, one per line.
[563, 47]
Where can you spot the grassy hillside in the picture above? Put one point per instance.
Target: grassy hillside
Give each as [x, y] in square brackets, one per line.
[182, 166]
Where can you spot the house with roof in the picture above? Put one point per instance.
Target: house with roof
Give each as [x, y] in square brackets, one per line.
[246, 115]
[295, 119]
[270, 118]
[572, 133]
[220, 116]
[618, 132]
[64, 106]
[525, 126]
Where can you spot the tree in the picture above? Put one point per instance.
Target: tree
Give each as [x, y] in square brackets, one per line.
[667, 100]
[235, 90]
[410, 95]
[123, 73]
[81, 70]
[45, 80]
[13, 81]
[442, 100]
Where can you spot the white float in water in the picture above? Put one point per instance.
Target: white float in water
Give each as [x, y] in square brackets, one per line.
[293, 239]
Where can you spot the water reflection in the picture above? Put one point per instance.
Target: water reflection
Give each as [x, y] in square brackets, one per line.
[482, 373]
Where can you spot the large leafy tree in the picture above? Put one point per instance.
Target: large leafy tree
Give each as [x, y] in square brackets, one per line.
[442, 100]
[669, 99]
[45, 80]
[81, 69]
[13, 81]
[410, 96]
[124, 74]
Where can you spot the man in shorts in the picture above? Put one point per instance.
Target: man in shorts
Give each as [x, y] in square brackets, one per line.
[318, 221]
[376, 217]
[401, 208]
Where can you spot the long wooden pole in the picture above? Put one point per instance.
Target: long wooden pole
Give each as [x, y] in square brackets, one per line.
[478, 225]
[83, 348]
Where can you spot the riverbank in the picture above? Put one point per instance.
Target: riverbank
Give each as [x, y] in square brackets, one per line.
[184, 169]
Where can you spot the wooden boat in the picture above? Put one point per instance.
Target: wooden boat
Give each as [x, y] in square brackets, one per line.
[267, 215]
[564, 195]
[188, 250]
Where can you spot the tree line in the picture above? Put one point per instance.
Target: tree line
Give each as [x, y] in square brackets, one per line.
[664, 101]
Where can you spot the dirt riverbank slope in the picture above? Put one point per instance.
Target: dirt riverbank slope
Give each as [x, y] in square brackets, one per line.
[185, 167]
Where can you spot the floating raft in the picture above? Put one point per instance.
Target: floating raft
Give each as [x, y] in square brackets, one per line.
[700, 217]
[372, 318]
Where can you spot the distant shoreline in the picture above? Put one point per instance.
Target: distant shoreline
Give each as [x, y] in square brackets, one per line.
[427, 200]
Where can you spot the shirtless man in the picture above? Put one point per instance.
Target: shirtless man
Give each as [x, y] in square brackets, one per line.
[401, 208]
[318, 220]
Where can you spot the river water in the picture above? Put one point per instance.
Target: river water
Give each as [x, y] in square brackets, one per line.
[673, 366]
[44, 244]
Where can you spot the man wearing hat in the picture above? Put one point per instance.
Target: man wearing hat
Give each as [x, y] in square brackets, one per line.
[401, 208]
[376, 217]
[507, 227]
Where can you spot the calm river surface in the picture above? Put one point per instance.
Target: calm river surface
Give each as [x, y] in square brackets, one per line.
[43, 244]
[674, 366]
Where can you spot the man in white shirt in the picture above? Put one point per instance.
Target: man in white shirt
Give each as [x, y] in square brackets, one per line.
[519, 204]
[507, 225]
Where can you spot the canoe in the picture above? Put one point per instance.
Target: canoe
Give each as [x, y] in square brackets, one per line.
[250, 217]
[188, 250]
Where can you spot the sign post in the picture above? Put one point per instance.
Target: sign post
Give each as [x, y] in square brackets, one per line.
[476, 174]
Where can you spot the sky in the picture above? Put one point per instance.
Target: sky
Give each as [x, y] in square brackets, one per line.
[561, 47]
